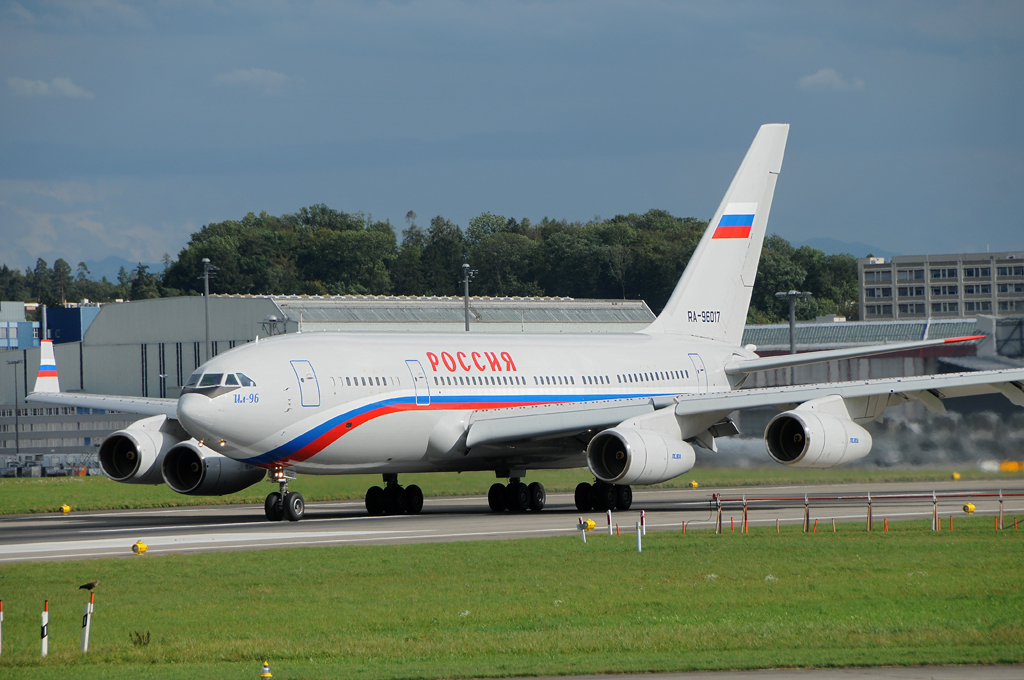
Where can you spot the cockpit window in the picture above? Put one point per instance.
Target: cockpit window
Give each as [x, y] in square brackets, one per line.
[231, 379]
[193, 379]
[211, 379]
[246, 381]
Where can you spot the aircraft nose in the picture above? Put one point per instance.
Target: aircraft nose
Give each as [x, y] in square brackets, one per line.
[195, 413]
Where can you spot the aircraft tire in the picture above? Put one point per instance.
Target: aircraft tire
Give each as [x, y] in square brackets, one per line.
[582, 497]
[294, 507]
[517, 497]
[602, 497]
[413, 499]
[375, 500]
[496, 497]
[623, 496]
[538, 496]
[272, 507]
[394, 500]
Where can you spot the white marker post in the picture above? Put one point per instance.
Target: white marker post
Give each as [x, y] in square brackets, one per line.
[87, 621]
[609, 522]
[44, 631]
[643, 522]
[1, 626]
[583, 530]
[639, 540]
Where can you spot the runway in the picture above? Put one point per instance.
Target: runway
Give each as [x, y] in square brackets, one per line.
[86, 535]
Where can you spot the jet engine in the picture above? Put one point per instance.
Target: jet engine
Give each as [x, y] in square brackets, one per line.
[808, 438]
[623, 455]
[134, 455]
[198, 471]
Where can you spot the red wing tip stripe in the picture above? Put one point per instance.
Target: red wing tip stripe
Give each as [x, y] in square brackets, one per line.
[731, 232]
[965, 338]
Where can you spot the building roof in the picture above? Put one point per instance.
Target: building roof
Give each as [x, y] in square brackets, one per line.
[834, 335]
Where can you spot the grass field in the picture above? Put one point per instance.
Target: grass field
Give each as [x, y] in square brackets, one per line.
[538, 606]
[19, 496]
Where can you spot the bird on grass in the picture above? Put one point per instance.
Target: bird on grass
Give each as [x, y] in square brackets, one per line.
[89, 586]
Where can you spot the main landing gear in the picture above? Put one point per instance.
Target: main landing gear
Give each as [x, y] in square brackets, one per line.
[602, 496]
[284, 504]
[517, 496]
[394, 499]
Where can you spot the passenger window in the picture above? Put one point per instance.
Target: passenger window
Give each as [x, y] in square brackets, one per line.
[348, 381]
[232, 380]
[211, 379]
[435, 379]
[193, 380]
[384, 381]
[364, 382]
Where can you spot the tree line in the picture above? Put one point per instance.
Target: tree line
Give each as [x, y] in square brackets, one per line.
[322, 251]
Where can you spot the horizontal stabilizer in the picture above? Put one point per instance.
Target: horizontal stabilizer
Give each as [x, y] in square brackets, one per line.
[745, 366]
[139, 405]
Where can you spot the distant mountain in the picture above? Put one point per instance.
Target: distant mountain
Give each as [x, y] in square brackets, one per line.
[110, 266]
[832, 246]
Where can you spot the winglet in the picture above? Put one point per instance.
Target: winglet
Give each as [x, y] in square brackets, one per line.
[46, 379]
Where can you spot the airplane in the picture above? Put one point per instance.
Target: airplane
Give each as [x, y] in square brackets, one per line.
[630, 407]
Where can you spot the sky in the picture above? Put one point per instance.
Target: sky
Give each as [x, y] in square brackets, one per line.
[125, 126]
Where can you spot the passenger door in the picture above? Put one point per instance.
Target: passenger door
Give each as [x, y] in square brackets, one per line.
[702, 374]
[309, 388]
[419, 382]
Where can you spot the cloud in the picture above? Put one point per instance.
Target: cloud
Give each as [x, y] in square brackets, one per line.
[829, 79]
[18, 10]
[272, 82]
[57, 87]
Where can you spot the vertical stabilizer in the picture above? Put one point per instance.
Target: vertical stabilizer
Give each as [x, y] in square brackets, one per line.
[711, 299]
[46, 379]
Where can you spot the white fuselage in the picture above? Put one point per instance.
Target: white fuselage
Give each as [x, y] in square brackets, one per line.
[336, 403]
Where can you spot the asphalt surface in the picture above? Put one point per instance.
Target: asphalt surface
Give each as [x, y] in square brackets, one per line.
[84, 535]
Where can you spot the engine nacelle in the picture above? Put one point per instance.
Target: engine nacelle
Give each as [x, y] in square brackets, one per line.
[134, 455]
[197, 471]
[623, 455]
[807, 438]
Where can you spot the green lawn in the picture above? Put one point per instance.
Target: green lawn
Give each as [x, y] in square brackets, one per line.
[19, 496]
[537, 606]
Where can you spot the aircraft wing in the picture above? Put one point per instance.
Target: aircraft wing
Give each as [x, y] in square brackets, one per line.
[140, 405]
[745, 366]
[521, 423]
[927, 389]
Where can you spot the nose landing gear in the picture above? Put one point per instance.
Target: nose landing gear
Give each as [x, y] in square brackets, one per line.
[283, 504]
[393, 499]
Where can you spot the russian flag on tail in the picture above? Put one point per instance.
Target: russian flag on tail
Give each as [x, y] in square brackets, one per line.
[736, 221]
[46, 379]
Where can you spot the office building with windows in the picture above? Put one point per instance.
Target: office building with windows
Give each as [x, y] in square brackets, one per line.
[941, 286]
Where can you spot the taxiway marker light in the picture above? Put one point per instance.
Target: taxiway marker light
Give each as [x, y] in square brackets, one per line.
[956, 476]
[139, 547]
[265, 672]
[65, 509]
[969, 508]
[693, 484]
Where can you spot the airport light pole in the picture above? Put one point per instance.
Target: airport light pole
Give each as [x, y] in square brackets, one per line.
[17, 434]
[467, 274]
[793, 296]
[208, 271]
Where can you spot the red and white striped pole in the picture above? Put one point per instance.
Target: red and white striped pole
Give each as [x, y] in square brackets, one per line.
[87, 621]
[643, 522]
[44, 631]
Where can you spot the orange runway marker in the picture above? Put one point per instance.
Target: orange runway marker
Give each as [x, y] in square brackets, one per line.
[776, 526]
[815, 529]
[732, 525]
[885, 523]
[617, 529]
